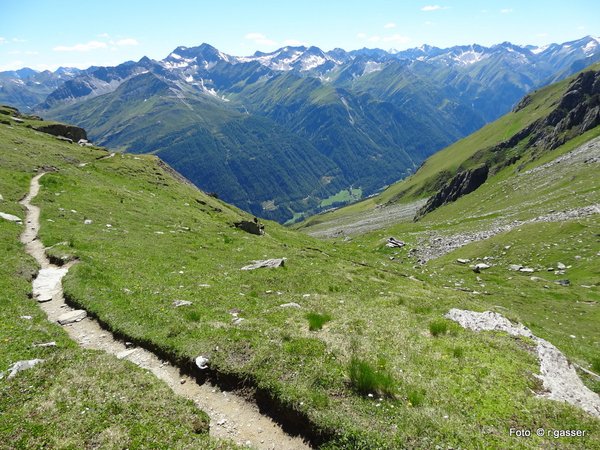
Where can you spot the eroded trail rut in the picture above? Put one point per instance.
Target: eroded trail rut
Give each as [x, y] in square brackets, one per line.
[232, 416]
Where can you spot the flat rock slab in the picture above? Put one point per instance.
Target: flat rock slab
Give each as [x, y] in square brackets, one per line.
[22, 365]
[47, 284]
[558, 375]
[267, 263]
[10, 217]
[72, 316]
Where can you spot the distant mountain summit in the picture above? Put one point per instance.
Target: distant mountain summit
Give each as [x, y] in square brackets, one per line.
[293, 131]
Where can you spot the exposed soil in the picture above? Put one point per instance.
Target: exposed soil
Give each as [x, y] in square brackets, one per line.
[232, 416]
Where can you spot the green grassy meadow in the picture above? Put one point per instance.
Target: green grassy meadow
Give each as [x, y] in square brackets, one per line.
[385, 370]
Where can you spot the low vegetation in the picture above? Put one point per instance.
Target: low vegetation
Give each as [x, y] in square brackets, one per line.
[153, 240]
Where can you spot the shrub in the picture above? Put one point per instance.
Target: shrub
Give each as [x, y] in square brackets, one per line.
[316, 320]
[458, 352]
[365, 379]
[438, 326]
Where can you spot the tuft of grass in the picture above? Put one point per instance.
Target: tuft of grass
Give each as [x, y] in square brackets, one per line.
[596, 365]
[365, 379]
[316, 320]
[438, 327]
[458, 352]
[415, 396]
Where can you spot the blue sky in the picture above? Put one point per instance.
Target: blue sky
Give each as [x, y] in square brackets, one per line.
[51, 33]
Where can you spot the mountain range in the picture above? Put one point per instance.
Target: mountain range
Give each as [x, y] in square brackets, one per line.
[297, 130]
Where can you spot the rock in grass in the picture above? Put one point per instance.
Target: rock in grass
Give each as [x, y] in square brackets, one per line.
[515, 267]
[463, 261]
[561, 266]
[72, 316]
[46, 344]
[526, 270]
[563, 282]
[178, 303]
[267, 263]
[290, 305]
[22, 365]
[1, 198]
[202, 362]
[393, 242]
[481, 266]
[10, 217]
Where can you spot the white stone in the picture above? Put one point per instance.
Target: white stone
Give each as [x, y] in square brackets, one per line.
[267, 263]
[47, 283]
[72, 316]
[10, 217]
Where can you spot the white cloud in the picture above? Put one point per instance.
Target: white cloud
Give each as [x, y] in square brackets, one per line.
[2, 40]
[506, 10]
[88, 46]
[127, 42]
[103, 35]
[429, 23]
[260, 39]
[390, 25]
[374, 38]
[581, 27]
[361, 35]
[542, 35]
[431, 8]
[19, 40]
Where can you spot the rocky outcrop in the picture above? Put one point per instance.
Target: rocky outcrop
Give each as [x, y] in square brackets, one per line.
[68, 131]
[461, 184]
[252, 227]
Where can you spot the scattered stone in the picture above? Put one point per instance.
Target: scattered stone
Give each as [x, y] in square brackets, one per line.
[563, 282]
[87, 222]
[463, 261]
[202, 362]
[394, 243]
[10, 217]
[46, 344]
[537, 279]
[26, 317]
[222, 422]
[178, 303]
[16, 119]
[65, 139]
[237, 320]
[182, 381]
[72, 316]
[267, 263]
[526, 270]
[515, 267]
[480, 266]
[22, 365]
[47, 283]
[1, 198]
[561, 266]
[128, 344]
[290, 305]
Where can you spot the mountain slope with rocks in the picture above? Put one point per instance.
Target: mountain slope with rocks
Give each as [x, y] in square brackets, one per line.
[361, 119]
[277, 317]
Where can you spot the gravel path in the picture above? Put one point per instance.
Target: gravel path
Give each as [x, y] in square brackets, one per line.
[232, 416]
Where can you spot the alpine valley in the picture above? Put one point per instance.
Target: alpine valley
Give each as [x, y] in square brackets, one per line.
[299, 130]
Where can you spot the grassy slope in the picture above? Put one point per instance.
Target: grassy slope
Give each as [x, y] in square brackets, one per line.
[76, 398]
[422, 183]
[168, 240]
